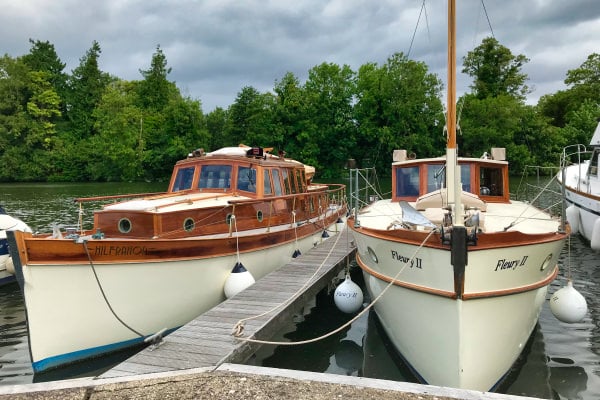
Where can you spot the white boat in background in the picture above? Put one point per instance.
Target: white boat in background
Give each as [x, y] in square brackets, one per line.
[457, 270]
[580, 169]
[8, 223]
[154, 262]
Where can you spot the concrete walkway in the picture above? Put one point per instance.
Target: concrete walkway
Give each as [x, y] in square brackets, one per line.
[234, 381]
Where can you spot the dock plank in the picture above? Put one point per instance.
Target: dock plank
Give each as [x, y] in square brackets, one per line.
[207, 340]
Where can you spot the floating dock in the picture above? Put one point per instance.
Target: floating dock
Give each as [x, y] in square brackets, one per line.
[207, 341]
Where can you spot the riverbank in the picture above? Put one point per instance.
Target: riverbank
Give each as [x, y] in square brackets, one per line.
[233, 381]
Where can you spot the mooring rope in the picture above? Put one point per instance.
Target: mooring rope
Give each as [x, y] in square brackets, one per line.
[84, 243]
[237, 333]
[238, 329]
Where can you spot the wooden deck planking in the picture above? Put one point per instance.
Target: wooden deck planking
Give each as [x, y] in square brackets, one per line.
[206, 341]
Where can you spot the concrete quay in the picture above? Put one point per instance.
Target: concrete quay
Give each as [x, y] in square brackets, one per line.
[235, 381]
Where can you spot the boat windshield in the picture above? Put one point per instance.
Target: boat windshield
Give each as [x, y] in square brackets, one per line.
[246, 179]
[183, 180]
[215, 177]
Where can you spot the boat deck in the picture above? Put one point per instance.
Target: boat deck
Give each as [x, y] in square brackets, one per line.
[207, 341]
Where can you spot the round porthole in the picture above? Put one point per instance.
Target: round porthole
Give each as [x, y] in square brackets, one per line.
[259, 216]
[228, 219]
[189, 224]
[372, 254]
[124, 225]
[546, 262]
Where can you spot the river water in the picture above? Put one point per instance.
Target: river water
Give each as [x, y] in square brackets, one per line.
[561, 361]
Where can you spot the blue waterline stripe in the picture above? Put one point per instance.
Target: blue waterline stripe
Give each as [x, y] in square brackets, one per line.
[80, 355]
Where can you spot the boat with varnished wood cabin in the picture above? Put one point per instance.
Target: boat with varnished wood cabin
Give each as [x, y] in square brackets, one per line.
[154, 262]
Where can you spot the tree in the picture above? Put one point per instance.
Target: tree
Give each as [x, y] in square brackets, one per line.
[42, 57]
[397, 107]
[155, 89]
[86, 87]
[216, 124]
[584, 86]
[251, 119]
[290, 113]
[329, 133]
[496, 71]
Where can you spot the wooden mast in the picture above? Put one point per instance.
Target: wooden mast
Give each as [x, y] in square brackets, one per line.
[452, 170]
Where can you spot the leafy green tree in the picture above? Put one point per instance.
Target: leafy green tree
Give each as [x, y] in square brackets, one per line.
[496, 71]
[584, 86]
[216, 124]
[397, 107]
[155, 89]
[13, 117]
[42, 57]
[251, 119]
[86, 87]
[329, 133]
[289, 113]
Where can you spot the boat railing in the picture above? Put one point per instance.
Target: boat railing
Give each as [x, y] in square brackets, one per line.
[576, 154]
[336, 193]
[538, 185]
[364, 187]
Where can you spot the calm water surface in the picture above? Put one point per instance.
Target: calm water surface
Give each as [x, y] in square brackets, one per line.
[561, 361]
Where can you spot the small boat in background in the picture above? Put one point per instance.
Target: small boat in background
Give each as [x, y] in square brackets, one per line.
[154, 262]
[458, 272]
[8, 223]
[580, 169]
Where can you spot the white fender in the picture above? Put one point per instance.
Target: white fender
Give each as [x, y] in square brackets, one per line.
[348, 296]
[239, 279]
[568, 305]
[595, 238]
[572, 213]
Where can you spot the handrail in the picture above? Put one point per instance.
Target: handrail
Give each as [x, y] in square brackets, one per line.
[116, 196]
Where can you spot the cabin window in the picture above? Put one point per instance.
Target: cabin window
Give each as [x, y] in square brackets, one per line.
[277, 182]
[491, 183]
[407, 182]
[267, 182]
[286, 181]
[594, 163]
[246, 179]
[300, 180]
[436, 177]
[215, 177]
[183, 180]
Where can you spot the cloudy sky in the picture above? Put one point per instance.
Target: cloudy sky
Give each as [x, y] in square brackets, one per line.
[216, 47]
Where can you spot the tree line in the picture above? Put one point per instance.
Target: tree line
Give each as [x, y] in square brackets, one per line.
[90, 126]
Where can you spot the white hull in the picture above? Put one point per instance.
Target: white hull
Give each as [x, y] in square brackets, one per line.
[148, 297]
[463, 343]
[583, 192]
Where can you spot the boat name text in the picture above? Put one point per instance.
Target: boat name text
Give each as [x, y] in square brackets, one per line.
[503, 263]
[120, 251]
[415, 262]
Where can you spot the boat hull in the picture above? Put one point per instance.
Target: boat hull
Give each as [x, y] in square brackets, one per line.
[123, 291]
[588, 207]
[467, 339]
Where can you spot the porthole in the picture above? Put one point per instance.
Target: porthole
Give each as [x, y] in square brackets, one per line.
[189, 224]
[124, 225]
[372, 254]
[259, 216]
[546, 262]
[228, 219]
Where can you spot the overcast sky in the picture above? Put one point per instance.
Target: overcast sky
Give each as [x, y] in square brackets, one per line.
[216, 47]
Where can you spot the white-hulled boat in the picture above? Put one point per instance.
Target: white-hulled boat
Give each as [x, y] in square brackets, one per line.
[580, 169]
[8, 223]
[465, 270]
[155, 262]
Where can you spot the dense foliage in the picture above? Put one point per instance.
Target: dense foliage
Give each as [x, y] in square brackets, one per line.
[90, 126]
